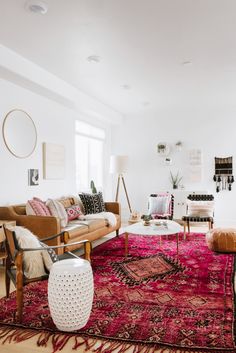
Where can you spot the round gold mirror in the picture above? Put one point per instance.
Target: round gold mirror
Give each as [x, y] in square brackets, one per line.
[19, 133]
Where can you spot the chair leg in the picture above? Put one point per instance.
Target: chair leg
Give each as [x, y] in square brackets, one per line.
[7, 278]
[188, 224]
[7, 284]
[19, 285]
[19, 300]
[184, 230]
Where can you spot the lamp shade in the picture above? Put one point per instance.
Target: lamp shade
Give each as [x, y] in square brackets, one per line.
[118, 164]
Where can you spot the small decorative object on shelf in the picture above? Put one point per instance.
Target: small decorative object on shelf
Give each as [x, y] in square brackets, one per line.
[163, 149]
[134, 217]
[93, 187]
[179, 146]
[175, 180]
[168, 161]
[163, 224]
[223, 173]
[146, 219]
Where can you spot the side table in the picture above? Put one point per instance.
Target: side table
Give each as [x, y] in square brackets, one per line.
[70, 293]
[2, 237]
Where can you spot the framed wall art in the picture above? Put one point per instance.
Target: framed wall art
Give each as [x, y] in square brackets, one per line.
[53, 161]
[195, 165]
[223, 176]
[33, 177]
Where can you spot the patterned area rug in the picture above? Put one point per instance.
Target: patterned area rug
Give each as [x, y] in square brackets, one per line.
[148, 301]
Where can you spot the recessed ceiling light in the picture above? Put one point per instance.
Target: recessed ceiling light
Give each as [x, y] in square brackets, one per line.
[125, 86]
[94, 59]
[187, 63]
[36, 6]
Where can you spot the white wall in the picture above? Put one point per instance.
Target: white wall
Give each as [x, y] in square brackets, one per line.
[213, 131]
[53, 104]
[55, 124]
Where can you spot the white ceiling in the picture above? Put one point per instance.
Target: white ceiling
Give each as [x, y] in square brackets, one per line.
[142, 44]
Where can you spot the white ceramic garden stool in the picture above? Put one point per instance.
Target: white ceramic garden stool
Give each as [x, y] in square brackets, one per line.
[70, 293]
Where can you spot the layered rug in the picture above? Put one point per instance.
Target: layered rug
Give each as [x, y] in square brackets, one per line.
[152, 300]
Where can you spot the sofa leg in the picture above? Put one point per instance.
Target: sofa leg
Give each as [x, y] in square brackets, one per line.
[87, 250]
[117, 232]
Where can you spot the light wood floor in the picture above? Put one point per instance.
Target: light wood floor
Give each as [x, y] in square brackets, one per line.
[30, 345]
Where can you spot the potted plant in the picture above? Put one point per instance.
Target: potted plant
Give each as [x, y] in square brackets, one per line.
[93, 187]
[146, 219]
[175, 180]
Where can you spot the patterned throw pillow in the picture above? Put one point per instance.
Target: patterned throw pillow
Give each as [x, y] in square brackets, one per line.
[58, 210]
[93, 203]
[200, 208]
[73, 212]
[37, 207]
[49, 256]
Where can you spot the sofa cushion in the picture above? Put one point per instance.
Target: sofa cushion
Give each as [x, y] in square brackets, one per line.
[57, 210]
[76, 229]
[95, 224]
[93, 203]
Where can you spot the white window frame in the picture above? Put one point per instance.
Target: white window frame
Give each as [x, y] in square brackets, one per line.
[93, 133]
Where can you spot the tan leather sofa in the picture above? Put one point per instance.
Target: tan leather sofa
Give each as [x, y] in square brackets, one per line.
[76, 230]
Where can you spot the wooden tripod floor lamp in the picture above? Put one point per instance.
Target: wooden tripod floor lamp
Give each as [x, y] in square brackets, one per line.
[118, 165]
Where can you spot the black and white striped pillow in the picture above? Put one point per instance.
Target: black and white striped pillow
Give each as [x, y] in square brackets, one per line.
[93, 203]
[49, 256]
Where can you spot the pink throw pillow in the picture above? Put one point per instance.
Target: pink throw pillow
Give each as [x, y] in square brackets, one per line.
[166, 194]
[73, 212]
[39, 207]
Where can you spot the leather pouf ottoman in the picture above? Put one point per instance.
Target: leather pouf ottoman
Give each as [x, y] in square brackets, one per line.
[222, 239]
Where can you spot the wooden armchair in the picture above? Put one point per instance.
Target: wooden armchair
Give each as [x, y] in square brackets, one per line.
[15, 267]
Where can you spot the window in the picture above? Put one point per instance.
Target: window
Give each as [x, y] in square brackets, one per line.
[89, 145]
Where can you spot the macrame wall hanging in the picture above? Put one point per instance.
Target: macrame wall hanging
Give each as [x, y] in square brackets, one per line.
[223, 173]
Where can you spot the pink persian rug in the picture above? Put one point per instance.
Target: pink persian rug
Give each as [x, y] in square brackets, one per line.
[151, 300]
